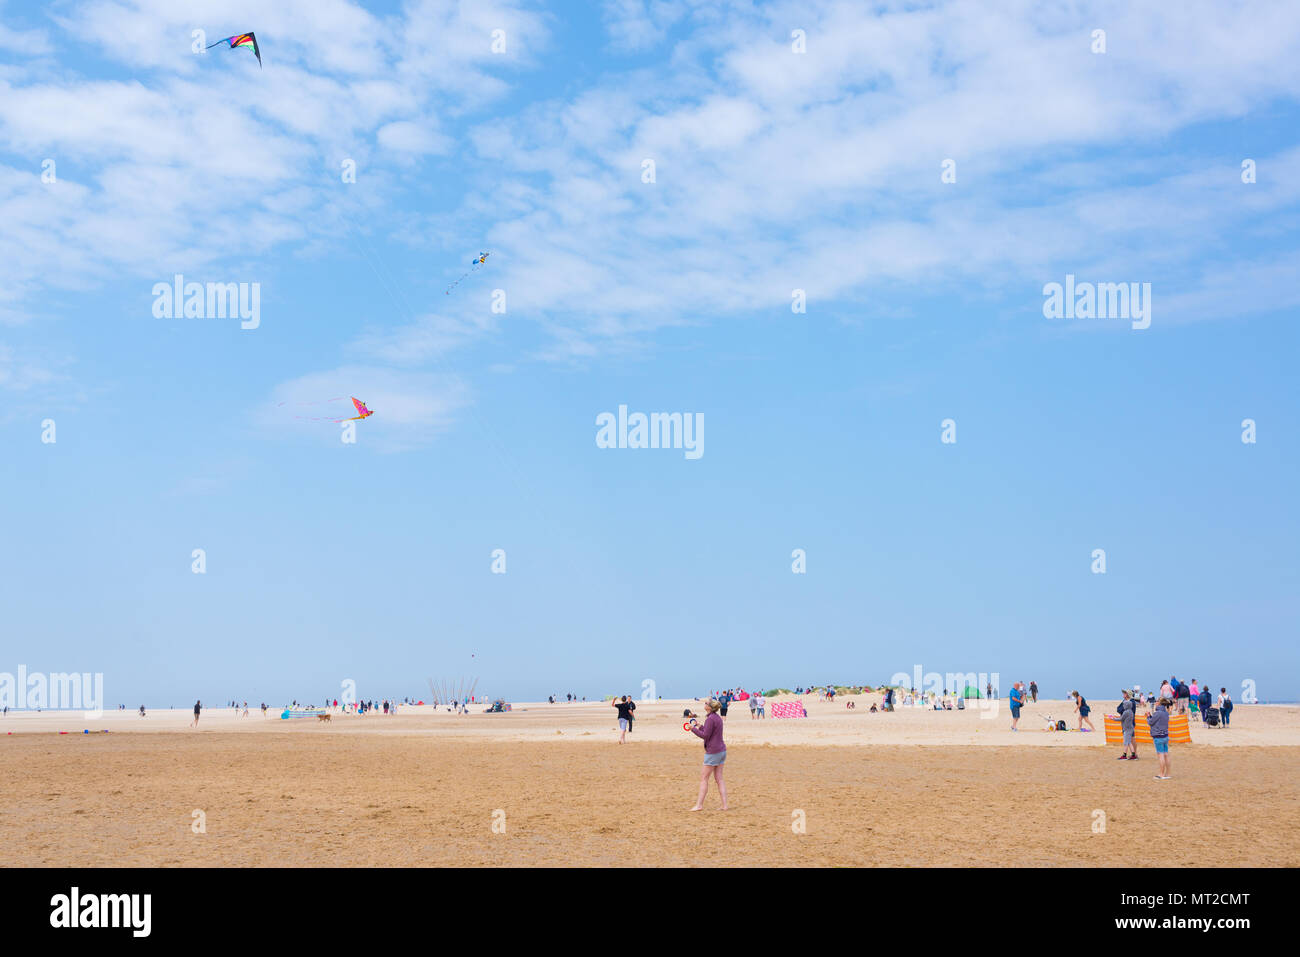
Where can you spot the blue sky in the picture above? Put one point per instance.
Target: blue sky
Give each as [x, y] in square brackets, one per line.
[774, 171]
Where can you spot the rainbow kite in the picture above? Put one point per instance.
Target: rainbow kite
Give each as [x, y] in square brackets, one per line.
[242, 40]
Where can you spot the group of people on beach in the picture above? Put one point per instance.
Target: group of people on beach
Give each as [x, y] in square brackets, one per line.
[1157, 721]
[1193, 698]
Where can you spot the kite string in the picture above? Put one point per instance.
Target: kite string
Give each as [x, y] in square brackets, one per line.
[509, 466]
[321, 402]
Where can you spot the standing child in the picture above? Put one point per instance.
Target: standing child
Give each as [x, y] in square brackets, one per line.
[1159, 722]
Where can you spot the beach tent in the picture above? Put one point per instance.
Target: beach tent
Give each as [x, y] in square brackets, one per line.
[1179, 732]
[789, 709]
[971, 692]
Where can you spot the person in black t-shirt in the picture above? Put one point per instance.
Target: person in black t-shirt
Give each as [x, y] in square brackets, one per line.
[624, 706]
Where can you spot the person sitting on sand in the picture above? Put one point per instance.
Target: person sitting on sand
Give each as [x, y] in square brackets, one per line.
[715, 754]
[1082, 709]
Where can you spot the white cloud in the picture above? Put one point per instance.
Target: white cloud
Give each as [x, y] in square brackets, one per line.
[29, 43]
[411, 408]
[428, 337]
[406, 136]
[775, 170]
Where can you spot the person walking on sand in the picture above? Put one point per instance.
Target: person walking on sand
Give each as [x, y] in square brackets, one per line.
[198, 706]
[715, 753]
[1033, 691]
[1017, 700]
[1159, 722]
[624, 717]
[753, 707]
[1082, 709]
[1127, 717]
[1225, 706]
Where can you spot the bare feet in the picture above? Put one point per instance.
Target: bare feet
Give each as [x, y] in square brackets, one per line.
[697, 808]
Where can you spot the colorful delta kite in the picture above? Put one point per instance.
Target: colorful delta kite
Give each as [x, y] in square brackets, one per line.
[482, 258]
[362, 411]
[242, 40]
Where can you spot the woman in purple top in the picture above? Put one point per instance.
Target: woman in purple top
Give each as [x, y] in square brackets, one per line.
[715, 753]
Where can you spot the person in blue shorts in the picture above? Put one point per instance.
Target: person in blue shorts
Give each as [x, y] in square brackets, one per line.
[1158, 720]
[1017, 701]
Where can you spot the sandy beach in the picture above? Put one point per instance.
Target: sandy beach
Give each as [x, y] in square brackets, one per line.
[548, 785]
